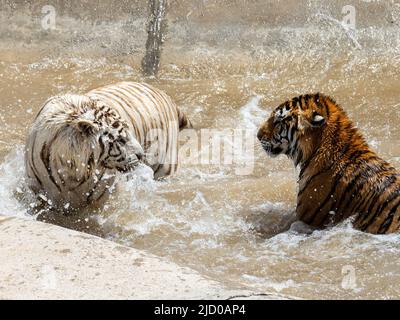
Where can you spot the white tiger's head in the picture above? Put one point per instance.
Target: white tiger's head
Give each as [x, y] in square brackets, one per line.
[89, 134]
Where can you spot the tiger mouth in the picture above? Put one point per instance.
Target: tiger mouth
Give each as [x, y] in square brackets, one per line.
[129, 167]
[270, 150]
[274, 152]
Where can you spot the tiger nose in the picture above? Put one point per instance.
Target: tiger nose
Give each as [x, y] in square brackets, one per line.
[140, 156]
[260, 135]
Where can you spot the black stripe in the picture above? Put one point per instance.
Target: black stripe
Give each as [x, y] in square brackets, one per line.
[299, 157]
[326, 107]
[45, 157]
[294, 102]
[34, 173]
[44, 105]
[306, 164]
[320, 103]
[291, 133]
[301, 102]
[310, 179]
[291, 152]
[364, 174]
[32, 162]
[335, 206]
[389, 219]
[102, 148]
[287, 105]
[110, 149]
[388, 183]
[317, 102]
[366, 199]
[91, 161]
[339, 176]
[370, 218]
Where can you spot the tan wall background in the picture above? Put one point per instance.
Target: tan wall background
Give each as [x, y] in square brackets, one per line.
[200, 32]
[268, 12]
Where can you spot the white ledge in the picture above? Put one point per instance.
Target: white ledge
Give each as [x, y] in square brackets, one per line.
[44, 261]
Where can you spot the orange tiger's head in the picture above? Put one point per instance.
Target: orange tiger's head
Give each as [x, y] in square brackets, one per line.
[295, 127]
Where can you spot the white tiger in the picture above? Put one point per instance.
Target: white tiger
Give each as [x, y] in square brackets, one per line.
[77, 143]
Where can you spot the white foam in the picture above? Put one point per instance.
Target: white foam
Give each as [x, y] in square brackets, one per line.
[348, 30]
[142, 178]
[12, 183]
[252, 114]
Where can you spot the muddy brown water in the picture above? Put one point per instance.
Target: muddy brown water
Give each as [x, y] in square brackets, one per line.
[207, 217]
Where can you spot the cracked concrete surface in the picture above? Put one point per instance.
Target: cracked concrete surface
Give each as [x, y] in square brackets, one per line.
[43, 261]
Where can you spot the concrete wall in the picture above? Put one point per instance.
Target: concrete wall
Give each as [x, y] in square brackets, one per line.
[43, 261]
[111, 28]
[212, 12]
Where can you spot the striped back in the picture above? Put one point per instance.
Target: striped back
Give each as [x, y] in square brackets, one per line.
[78, 142]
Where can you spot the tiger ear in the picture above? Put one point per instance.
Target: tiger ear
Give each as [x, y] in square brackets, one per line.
[314, 120]
[86, 127]
[317, 120]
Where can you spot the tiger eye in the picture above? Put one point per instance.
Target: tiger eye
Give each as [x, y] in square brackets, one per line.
[122, 140]
[115, 125]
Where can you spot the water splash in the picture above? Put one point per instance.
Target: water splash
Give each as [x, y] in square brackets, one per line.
[251, 113]
[348, 30]
[13, 186]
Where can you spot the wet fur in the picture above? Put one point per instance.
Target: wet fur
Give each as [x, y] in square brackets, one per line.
[340, 176]
[78, 143]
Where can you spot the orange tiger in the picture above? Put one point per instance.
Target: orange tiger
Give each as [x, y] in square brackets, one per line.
[340, 176]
